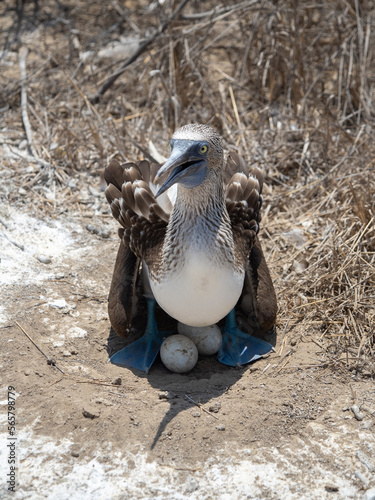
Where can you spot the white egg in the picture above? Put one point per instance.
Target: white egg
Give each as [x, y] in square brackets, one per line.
[179, 354]
[208, 339]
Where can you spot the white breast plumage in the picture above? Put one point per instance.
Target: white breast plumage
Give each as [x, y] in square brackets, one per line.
[201, 291]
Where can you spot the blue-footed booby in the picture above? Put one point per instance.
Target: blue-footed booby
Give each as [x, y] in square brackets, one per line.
[193, 230]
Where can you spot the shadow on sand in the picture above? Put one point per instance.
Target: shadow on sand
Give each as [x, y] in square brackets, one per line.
[208, 380]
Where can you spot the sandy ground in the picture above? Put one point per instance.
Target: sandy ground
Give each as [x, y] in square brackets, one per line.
[279, 428]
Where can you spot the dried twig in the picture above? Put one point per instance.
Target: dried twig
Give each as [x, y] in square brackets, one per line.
[200, 406]
[49, 360]
[25, 117]
[111, 80]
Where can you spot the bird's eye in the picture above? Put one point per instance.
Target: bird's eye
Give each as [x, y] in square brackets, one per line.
[203, 149]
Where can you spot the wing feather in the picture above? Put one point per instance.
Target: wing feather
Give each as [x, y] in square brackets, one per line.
[244, 201]
[243, 197]
[135, 207]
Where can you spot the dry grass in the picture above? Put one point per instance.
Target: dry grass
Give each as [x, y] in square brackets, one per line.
[289, 84]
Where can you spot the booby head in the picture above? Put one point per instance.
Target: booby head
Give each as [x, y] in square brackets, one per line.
[196, 149]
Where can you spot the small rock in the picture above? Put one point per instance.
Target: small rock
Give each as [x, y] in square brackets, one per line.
[192, 485]
[73, 352]
[215, 407]
[43, 259]
[50, 196]
[66, 354]
[92, 229]
[163, 395]
[369, 495]
[104, 234]
[196, 414]
[94, 192]
[296, 237]
[357, 413]
[359, 475]
[366, 425]
[300, 267]
[58, 303]
[27, 373]
[117, 381]
[368, 410]
[22, 192]
[131, 464]
[362, 457]
[99, 232]
[90, 414]
[75, 454]
[220, 427]
[331, 488]
[72, 184]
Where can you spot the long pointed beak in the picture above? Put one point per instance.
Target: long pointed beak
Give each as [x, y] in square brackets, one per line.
[175, 168]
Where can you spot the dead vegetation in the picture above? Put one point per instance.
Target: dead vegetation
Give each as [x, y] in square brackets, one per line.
[289, 84]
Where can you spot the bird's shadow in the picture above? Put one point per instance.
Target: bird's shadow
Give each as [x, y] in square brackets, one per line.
[207, 381]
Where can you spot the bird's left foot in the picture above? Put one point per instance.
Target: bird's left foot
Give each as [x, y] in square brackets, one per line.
[239, 348]
[142, 353]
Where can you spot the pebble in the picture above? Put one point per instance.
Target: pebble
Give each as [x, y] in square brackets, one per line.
[192, 485]
[94, 192]
[196, 414]
[357, 413]
[92, 229]
[362, 457]
[43, 259]
[215, 407]
[66, 354]
[358, 474]
[90, 414]
[369, 495]
[220, 427]
[103, 233]
[75, 454]
[366, 425]
[117, 381]
[331, 488]
[163, 395]
[72, 184]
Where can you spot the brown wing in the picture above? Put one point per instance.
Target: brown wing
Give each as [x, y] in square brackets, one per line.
[244, 201]
[258, 300]
[122, 295]
[142, 233]
[134, 206]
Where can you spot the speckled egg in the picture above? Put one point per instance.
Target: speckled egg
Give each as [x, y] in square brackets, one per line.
[179, 354]
[208, 339]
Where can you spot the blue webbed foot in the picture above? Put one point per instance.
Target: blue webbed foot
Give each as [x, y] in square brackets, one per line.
[142, 353]
[239, 348]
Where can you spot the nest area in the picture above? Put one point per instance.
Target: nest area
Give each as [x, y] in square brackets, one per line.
[289, 85]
